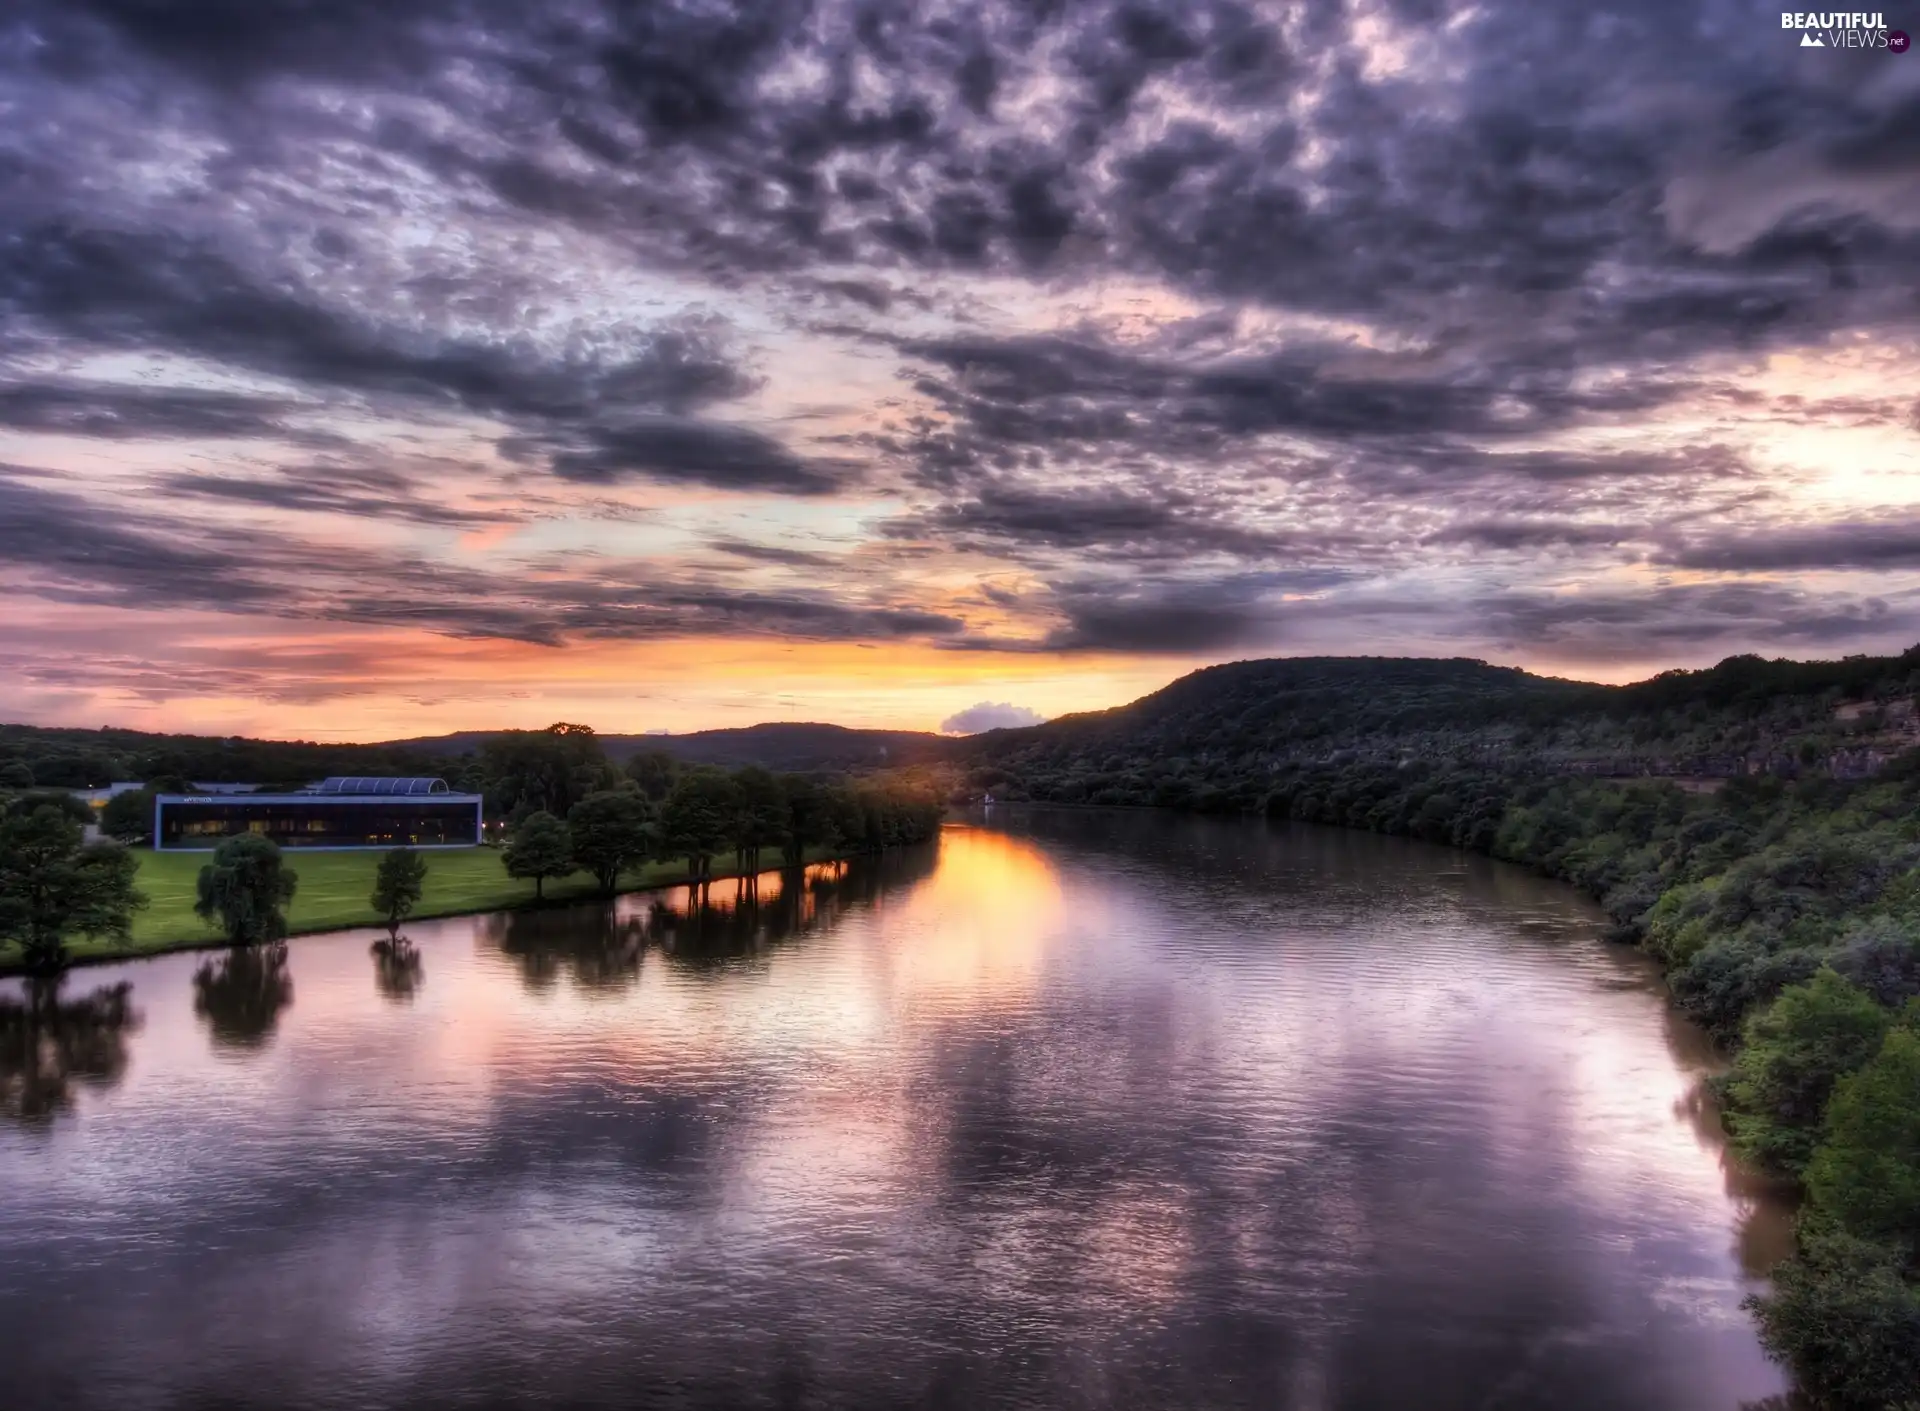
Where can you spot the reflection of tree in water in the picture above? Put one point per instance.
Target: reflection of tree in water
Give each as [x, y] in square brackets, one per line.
[601, 947]
[731, 923]
[50, 1046]
[242, 995]
[397, 971]
[598, 947]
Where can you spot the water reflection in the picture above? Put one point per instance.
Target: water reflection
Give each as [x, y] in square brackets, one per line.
[593, 944]
[1105, 1111]
[51, 1045]
[242, 995]
[397, 971]
[600, 947]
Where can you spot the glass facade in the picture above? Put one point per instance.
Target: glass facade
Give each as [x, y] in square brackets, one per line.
[318, 822]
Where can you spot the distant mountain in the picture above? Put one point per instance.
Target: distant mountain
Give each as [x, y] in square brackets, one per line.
[1222, 733]
[1220, 729]
[788, 747]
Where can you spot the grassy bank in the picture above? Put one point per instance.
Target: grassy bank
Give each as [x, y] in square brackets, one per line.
[333, 892]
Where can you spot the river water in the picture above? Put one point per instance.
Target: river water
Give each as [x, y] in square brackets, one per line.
[1071, 1110]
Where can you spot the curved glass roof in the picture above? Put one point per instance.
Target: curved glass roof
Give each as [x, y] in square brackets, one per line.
[373, 784]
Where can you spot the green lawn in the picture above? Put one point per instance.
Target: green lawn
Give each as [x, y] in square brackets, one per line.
[333, 892]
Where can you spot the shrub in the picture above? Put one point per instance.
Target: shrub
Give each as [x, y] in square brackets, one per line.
[1797, 1049]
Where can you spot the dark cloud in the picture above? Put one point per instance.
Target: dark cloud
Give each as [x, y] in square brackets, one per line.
[771, 553]
[1867, 544]
[1603, 625]
[355, 491]
[123, 412]
[104, 290]
[1398, 280]
[1180, 616]
[703, 453]
[72, 550]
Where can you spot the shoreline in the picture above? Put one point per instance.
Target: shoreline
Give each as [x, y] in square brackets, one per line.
[120, 954]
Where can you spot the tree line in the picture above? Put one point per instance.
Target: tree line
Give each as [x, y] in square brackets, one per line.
[697, 815]
[565, 807]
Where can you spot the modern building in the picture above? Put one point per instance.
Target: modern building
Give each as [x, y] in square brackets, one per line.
[335, 814]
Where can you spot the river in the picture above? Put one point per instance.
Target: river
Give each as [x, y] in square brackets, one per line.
[1074, 1109]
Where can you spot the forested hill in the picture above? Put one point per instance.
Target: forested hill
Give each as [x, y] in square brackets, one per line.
[1215, 737]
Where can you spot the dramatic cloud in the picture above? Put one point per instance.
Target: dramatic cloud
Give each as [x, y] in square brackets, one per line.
[1099, 328]
[989, 715]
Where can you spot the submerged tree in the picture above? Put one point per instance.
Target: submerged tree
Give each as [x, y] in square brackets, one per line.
[54, 884]
[541, 848]
[246, 889]
[398, 887]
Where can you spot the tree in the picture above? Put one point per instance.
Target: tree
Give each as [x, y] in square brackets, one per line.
[246, 889]
[762, 819]
[16, 774]
[1866, 1173]
[654, 771]
[699, 819]
[541, 848]
[53, 884]
[398, 886]
[59, 800]
[1797, 1049]
[611, 831]
[128, 817]
[550, 769]
[809, 818]
[1842, 1317]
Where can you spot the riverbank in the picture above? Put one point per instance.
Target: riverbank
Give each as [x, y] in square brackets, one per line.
[333, 896]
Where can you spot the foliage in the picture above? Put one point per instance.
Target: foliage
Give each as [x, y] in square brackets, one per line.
[54, 885]
[398, 887]
[763, 819]
[246, 889]
[62, 802]
[699, 818]
[89, 759]
[1842, 1316]
[1796, 1049]
[1882, 956]
[612, 831]
[654, 771]
[541, 848]
[128, 816]
[16, 774]
[810, 818]
[546, 770]
[1866, 1174]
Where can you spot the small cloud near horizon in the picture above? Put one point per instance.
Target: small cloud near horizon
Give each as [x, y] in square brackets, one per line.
[989, 715]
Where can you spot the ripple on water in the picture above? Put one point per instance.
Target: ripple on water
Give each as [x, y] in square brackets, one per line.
[1086, 1110]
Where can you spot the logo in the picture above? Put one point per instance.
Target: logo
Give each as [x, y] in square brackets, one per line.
[1843, 29]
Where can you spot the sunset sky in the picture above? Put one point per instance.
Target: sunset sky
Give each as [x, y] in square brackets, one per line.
[381, 367]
